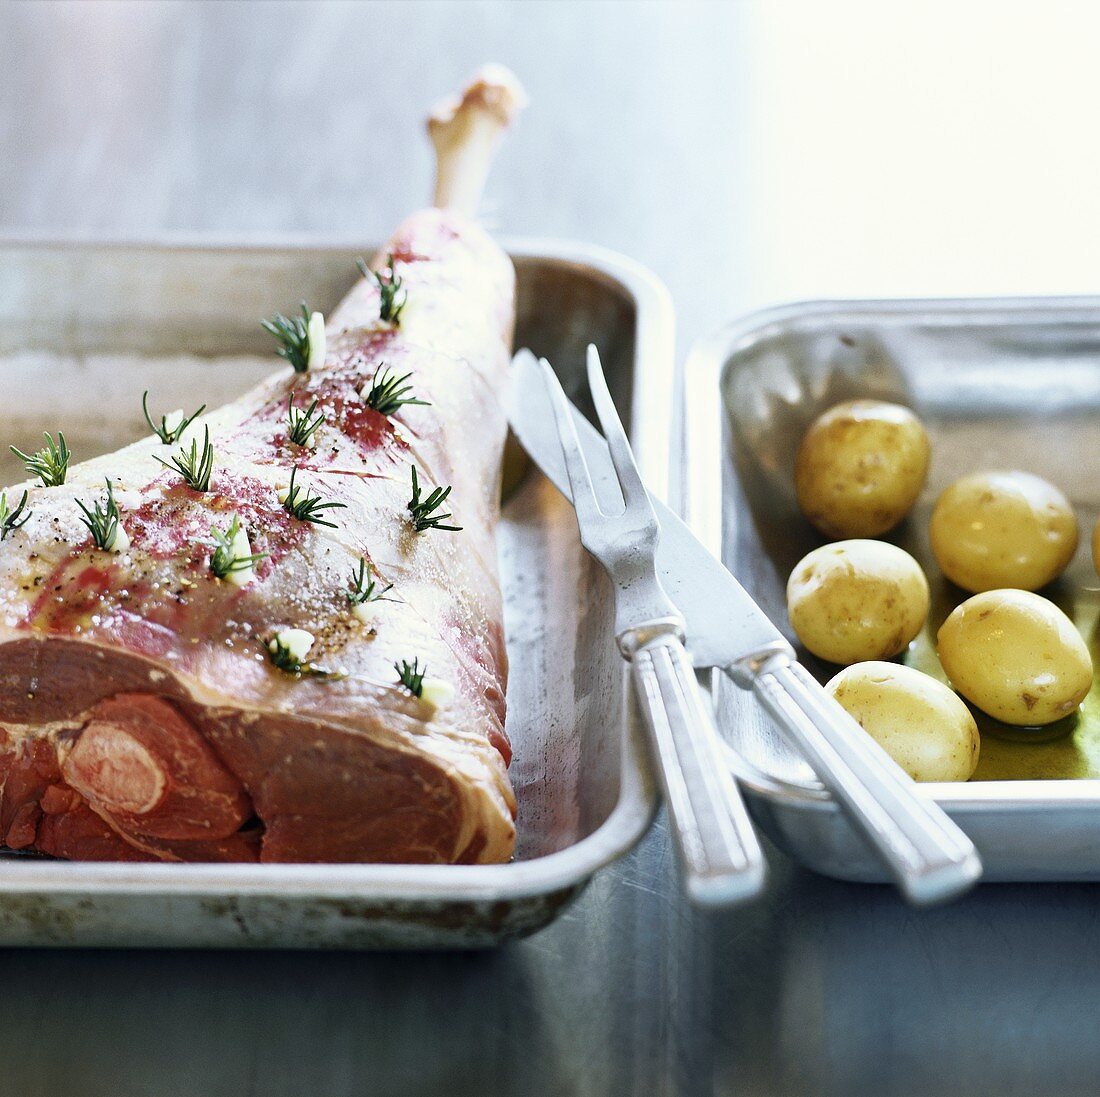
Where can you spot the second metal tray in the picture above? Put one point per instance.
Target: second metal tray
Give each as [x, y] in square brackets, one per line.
[85, 328]
[999, 384]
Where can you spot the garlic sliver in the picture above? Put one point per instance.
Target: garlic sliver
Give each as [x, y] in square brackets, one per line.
[316, 341]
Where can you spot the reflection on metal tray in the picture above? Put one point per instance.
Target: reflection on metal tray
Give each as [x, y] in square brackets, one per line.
[999, 384]
[85, 328]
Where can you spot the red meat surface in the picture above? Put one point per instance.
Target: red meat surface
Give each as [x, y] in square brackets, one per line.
[141, 716]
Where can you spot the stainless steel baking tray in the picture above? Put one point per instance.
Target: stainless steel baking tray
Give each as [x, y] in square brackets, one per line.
[84, 328]
[1010, 383]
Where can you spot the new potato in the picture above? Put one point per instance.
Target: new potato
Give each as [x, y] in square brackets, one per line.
[860, 468]
[1002, 529]
[918, 721]
[856, 600]
[1016, 656]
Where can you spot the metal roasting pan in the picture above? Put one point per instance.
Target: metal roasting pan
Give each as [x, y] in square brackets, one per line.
[85, 328]
[999, 384]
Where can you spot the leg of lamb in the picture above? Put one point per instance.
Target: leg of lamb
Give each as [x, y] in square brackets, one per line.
[265, 638]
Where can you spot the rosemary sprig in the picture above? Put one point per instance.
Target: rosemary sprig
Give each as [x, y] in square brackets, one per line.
[306, 508]
[391, 286]
[10, 520]
[50, 465]
[302, 424]
[168, 434]
[293, 335]
[195, 468]
[364, 587]
[224, 558]
[102, 521]
[411, 676]
[284, 659]
[387, 393]
[421, 510]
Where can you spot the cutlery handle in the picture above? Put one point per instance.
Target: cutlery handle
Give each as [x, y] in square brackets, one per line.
[929, 856]
[719, 852]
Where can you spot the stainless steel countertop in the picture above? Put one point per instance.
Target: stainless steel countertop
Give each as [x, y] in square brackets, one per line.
[748, 153]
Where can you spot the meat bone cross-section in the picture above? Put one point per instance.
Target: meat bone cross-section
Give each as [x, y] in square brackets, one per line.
[202, 670]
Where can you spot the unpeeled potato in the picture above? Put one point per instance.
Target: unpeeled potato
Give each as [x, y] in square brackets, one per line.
[1016, 656]
[856, 600]
[991, 530]
[861, 467]
[918, 721]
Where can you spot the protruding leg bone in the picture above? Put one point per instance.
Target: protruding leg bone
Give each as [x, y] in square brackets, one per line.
[465, 131]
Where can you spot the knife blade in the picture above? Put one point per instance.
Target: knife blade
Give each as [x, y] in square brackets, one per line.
[723, 622]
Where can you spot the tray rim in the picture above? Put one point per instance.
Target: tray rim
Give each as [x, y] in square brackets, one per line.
[554, 873]
[708, 360]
